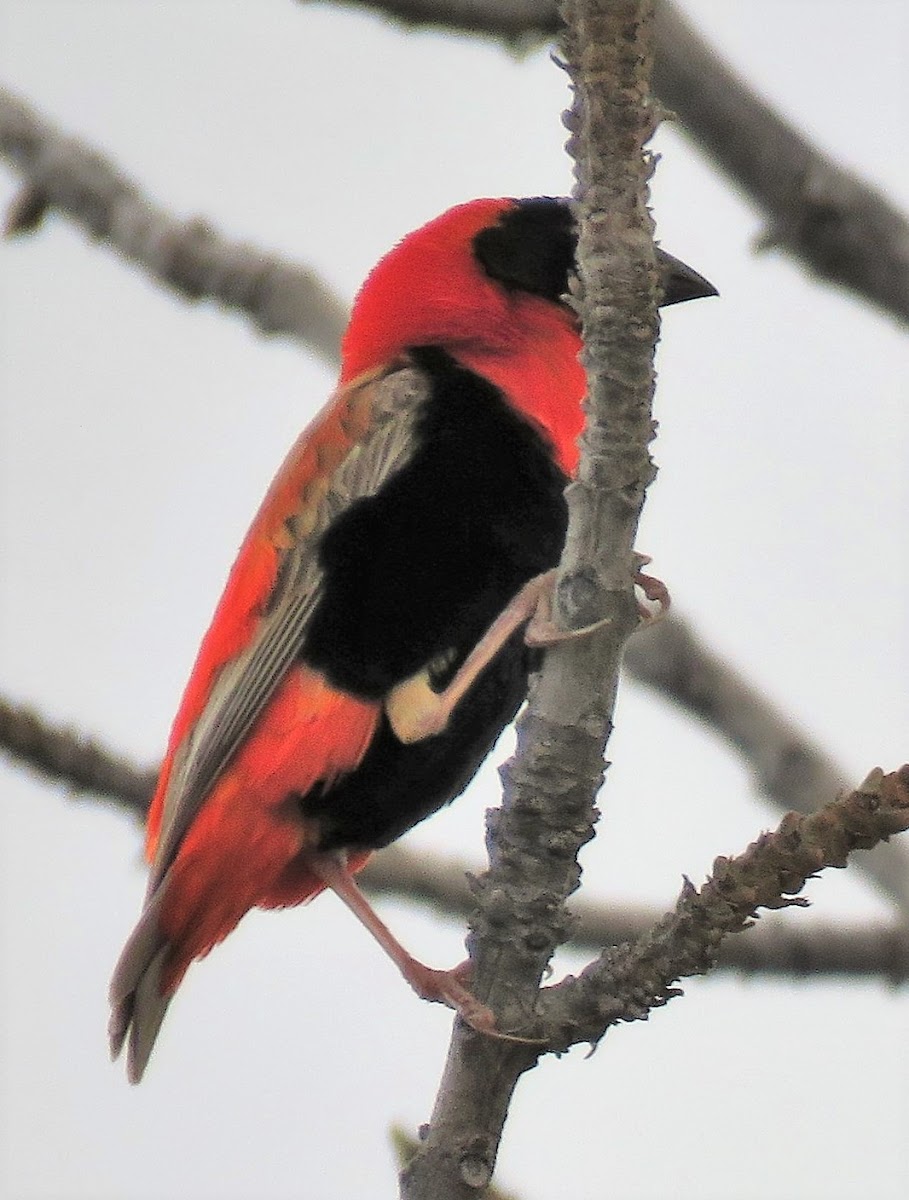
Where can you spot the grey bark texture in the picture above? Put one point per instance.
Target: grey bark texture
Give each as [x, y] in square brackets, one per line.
[548, 812]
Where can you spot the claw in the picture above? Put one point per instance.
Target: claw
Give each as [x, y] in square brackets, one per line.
[654, 590]
[443, 987]
[447, 987]
[541, 630]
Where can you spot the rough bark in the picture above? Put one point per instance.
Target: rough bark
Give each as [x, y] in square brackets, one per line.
[627, 982]
[548, 809]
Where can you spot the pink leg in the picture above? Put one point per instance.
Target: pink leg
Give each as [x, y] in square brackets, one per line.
[519, 610]
[444, 987]
[531, 606]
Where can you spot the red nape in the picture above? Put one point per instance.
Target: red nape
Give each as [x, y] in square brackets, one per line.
[428, 290]
[431, 290]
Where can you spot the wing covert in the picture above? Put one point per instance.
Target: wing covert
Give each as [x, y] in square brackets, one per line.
[365, 436]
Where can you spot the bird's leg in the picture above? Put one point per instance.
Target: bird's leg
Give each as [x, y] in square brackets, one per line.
[416, 712]
[444, 987]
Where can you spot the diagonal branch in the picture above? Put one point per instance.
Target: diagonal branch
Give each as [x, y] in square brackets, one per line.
[838, 227]
[626, 982]
[772, 948]
[81, 763]
[192, 258]
[790, 770]
[520, 22]
[843, 230]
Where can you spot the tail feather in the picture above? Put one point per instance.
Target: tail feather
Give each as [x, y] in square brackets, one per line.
[188, 913]
[138, 1003]
[234, 857]
[148, 1009]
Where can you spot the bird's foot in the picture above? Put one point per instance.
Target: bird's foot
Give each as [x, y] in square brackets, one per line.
[448, 987]
[543, 631]
[416, 712]
[654, 591]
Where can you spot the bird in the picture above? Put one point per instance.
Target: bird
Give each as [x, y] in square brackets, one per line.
[371, 641]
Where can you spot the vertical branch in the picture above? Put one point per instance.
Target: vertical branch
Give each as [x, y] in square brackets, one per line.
[549, 787]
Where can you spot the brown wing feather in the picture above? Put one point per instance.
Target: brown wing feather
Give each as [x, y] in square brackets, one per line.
[243, 686]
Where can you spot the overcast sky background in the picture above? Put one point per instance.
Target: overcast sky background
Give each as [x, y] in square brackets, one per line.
[138, 434]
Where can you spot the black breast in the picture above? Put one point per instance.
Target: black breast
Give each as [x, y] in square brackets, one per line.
[421, 570]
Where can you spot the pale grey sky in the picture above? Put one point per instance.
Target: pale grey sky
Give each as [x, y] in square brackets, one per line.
[138, 436]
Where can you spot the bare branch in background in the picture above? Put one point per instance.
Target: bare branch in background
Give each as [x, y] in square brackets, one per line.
[839, 227]
[775, 947]
[519, 22]
[69, 176]
[789, 769]
[81, 763]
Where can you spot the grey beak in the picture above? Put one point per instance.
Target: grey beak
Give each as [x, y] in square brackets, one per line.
[680, 282]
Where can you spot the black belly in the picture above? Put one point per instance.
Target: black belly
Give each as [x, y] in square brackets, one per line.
[420, 571]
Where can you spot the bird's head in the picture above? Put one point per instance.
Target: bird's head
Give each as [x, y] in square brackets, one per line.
[485, 275]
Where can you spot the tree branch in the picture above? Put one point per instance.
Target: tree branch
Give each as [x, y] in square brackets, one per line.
[774, 947]
[190, 257]
[790, 770]
[549, 786]
[519, 22]
[836, 225]
[843, 230]
[627, 982]
[64, 756]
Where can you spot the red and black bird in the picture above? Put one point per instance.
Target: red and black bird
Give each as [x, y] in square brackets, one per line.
[370, 646]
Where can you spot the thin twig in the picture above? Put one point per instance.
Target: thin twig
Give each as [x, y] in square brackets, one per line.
[790, 770]
[71, 177]
[627, 982]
